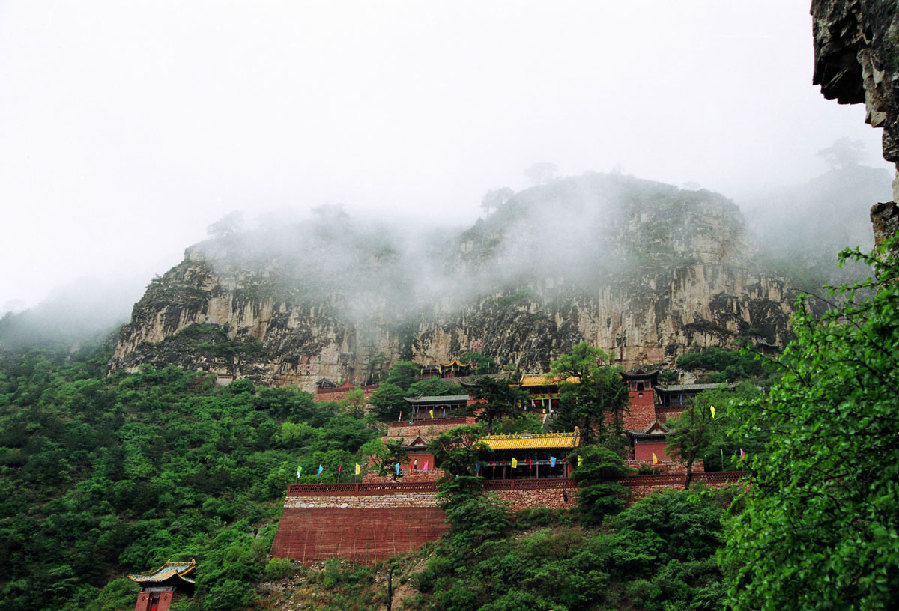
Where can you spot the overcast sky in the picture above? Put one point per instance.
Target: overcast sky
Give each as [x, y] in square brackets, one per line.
[126, 128]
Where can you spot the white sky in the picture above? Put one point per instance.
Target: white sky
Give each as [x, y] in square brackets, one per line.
[127, 127]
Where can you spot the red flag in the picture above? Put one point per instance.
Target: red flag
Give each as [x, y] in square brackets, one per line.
[339, 469]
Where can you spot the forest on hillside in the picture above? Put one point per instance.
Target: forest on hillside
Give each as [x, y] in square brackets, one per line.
[104, 475]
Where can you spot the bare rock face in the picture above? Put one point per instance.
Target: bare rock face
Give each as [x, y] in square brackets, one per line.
[642, 270]
[857, 61]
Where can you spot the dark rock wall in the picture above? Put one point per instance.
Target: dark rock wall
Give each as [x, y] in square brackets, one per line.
[857, 61]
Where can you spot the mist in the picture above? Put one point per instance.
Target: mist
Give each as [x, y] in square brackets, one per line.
[128, 128]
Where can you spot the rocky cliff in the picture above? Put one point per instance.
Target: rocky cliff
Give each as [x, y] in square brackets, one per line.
[641, 269]
[857, 61]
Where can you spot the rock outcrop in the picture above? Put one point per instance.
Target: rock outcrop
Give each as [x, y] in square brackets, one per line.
[857, 61]
[640, 269]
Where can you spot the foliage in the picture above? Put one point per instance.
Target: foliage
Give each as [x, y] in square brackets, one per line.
[482, 363]
[503, 401]
[403, 374]
[727, 365]
[594, 404]
[432, 387]
[386, 457]
[820, 527]
[600, 495]
[657, 554]
[101, 476]
[456, 451]
[389, 400]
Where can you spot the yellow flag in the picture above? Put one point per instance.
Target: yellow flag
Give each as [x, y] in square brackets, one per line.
[358, 468]
[514, 463]
[580, 461]
[655, 459]
[712, 408]
[430, 411]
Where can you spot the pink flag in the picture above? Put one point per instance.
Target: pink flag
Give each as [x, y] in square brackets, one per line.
[742, 454]
[401, 416]
[426, 467]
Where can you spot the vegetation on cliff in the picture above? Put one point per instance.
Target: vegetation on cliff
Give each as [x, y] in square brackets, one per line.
[821, 523]
[102, 476]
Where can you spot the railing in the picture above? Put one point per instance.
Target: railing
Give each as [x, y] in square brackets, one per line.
[379, 488]
[373, 488]
[530, 484]
[673, 479]
[449, 419]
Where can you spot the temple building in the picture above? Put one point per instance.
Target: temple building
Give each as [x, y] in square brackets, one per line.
[544, 391]
[159, 588]
[528, 455]
[453, 369]
[437, 406]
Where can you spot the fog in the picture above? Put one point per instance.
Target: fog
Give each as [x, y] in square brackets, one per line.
[127, 129]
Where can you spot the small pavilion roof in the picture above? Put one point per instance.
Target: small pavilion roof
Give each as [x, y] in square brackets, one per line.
[167, 571]
[438, 399]
[527, 441]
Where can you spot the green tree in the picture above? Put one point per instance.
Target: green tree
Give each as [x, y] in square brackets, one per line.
[597, 473]
[388, 401]
[503, 401]
[387, 456]
[596, 403]
[696, 429]
[820, 528]
[403, 374]
[456, 451]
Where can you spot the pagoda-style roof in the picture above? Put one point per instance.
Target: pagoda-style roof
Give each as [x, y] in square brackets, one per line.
[639, 374]
[528, 441]
[547, 380]
[437, 399]
[168, 571]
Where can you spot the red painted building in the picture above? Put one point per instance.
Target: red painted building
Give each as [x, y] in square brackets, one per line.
[159, 588]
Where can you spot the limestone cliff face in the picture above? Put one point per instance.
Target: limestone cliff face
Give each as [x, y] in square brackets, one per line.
[857, 61]
[640, 269]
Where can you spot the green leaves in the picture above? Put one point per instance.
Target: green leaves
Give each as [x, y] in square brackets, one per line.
[821, 516]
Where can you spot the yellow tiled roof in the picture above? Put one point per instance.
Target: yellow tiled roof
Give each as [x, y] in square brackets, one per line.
[546, 380]
[167, 571]
[526, 441]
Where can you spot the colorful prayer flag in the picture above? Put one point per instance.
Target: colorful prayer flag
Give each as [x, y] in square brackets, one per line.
[712, 408]
[358, 468]
[514, 463]
[320, 469]
[426, 467]
[742, 454]
[655, 459]
[552, 461]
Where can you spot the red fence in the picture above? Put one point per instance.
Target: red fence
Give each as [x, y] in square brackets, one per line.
[379, 488]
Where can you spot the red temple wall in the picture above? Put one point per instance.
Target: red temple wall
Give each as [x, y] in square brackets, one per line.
[643, 450]
[145, 602]
[642, 410]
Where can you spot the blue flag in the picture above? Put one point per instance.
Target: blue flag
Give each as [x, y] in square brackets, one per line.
[397, 468]
[320, 469]
[477, 468]
[552, 461]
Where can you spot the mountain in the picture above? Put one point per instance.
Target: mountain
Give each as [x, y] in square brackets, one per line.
[639, 268]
